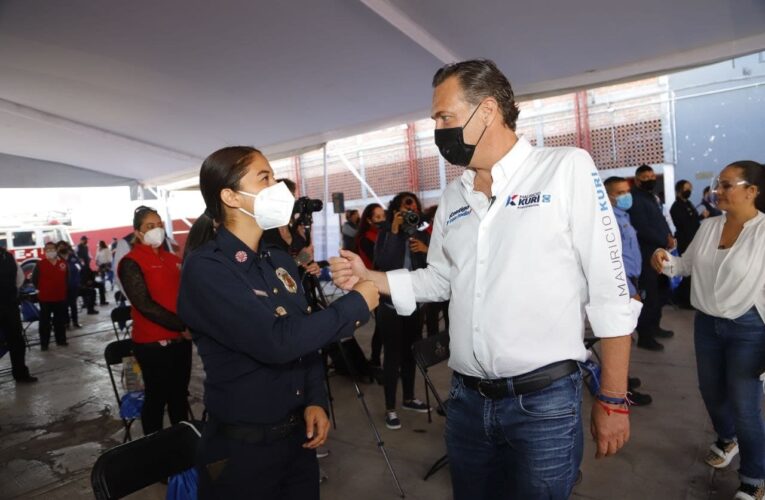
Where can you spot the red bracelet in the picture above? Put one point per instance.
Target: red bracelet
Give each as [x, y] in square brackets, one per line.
[609, 411]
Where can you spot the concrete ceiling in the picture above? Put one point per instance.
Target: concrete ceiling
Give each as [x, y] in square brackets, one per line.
[144, 90]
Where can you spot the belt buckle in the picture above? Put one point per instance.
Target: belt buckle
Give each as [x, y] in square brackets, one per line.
[480, 389]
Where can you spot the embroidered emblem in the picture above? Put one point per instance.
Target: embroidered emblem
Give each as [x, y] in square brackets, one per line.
[241, 256]
[280, 311]
[62, 266]
[287, 280]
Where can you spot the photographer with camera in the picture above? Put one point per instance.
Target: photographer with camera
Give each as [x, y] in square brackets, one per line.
[400, 244]
[257, 337]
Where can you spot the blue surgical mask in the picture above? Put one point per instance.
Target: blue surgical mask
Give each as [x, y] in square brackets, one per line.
[624, 201]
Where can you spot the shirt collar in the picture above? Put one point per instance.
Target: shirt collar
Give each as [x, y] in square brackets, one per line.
[234, 249]
[504, 168]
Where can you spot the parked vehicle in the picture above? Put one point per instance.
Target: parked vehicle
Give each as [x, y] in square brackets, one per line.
[27, 243]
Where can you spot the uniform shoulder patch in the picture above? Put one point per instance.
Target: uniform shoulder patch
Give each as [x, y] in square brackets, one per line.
[287, 280]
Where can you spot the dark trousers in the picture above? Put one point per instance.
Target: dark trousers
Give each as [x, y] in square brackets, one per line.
[377, 343]
[232, 469]
[10, 323]
[166, 372]
[650, 315]
[432, 312]
[56, 310]
[101, 292]
[399, 333]
[71, 305]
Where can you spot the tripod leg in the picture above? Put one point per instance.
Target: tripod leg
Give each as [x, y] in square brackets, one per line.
[329, 390]
[360, 397]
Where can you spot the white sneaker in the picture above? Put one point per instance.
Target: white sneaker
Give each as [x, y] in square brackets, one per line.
[721, 454]
[750, 492]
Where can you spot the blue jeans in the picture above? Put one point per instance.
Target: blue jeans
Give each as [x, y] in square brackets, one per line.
[527, 446]
[730, 356]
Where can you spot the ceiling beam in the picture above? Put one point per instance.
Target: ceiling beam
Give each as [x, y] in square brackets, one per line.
[399, 20]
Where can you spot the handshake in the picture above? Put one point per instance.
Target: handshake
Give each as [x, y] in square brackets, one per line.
[350, 273]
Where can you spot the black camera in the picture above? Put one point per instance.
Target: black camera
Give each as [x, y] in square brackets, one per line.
[305, 205]
[302, 212]
[411, 222]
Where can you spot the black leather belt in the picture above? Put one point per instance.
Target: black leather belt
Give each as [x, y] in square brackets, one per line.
[522, 384]
[261, 433]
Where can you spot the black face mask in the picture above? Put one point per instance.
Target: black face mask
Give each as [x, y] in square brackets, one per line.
[687, 194]
[451, 144]
[649, 185]
[380, 225]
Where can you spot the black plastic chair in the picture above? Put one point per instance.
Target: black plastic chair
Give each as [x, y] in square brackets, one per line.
[132, 466]
[429, 352]
[113, 355]
[122, 321]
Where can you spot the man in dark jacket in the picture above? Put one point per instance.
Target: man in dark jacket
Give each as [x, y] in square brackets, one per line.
[653, 232]
[11, 277]
[687, 221]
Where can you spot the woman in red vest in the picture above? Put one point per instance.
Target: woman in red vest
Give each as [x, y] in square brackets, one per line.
[50, 277]
[150, 277]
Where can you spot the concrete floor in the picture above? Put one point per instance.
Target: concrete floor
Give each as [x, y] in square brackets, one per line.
[53, 431]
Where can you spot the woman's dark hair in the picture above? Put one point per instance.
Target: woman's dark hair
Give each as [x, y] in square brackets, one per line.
[395, 204]
[679, 185]
[754, 174]
[364, 224]
[221, 170]
[479, 79]
[140, 214]
[102, 244]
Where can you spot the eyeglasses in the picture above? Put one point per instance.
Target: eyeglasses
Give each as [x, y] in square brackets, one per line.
[719, 185]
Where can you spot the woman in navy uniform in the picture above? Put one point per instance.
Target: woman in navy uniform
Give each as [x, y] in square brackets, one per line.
[257, 337]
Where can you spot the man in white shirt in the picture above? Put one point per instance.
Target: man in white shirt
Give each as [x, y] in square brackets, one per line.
[524, 243]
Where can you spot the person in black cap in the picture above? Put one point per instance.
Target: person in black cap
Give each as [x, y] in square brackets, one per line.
[11, 278]
[83, 253]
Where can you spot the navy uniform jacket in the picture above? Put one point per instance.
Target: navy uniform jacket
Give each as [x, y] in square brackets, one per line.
[649, 222]
[255, 332]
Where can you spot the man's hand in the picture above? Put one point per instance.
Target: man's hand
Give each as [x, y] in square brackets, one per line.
[316, 426]
[347, 270]
[637, 297]
[417, 246]
[610, 432]
[369, 292]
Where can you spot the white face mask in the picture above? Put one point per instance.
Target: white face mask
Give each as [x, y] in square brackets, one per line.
[273, 206]
[51, 255]
[154, 237]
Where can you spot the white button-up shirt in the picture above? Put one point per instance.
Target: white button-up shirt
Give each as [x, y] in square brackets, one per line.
[522, 270]
[726, 283]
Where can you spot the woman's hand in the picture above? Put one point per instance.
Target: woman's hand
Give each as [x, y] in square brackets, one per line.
[417, 246]
[316, 426]
[312, 268]
[398, 219]
[658, 259]
[369, 291]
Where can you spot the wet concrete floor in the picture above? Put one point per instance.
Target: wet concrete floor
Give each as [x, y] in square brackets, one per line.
[52, 432]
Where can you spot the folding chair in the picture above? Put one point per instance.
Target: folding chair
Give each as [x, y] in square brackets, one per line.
[29, 314]
[133, 466]
[429, 352]
[113, 355]
[122, 321]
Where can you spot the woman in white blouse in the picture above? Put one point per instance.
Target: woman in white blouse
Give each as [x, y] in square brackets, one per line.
[727, 261]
